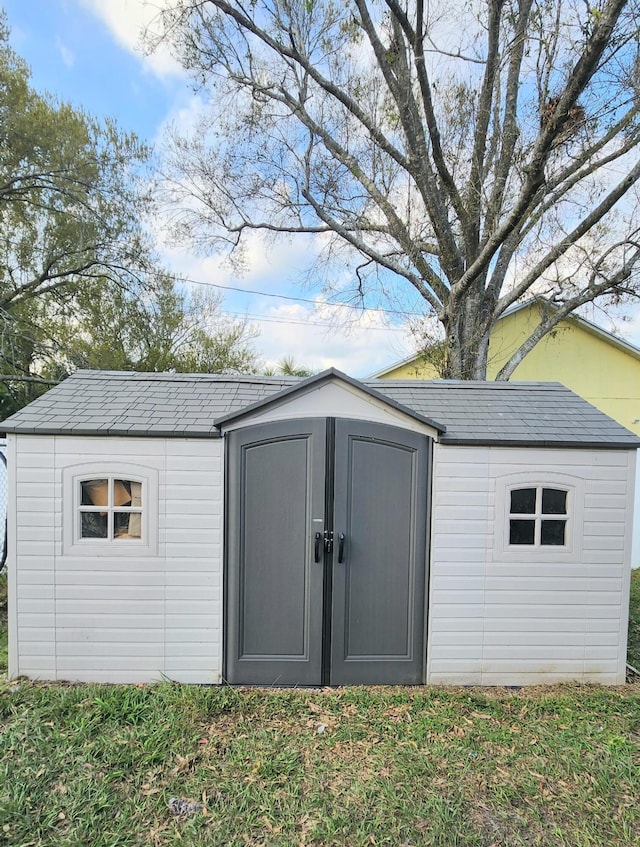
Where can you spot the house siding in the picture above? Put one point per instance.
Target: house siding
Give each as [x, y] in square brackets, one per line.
[536, 620]
[142, 618]
[118, 618]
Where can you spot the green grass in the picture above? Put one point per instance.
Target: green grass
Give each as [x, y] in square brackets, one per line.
[96, 765]
[431, 767]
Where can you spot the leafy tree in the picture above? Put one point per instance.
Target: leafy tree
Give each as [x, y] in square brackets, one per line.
[70, 200]
[21, 346]
[474, 153]
[70, 211]
[104, 326]
[164, 329]
[79, 284]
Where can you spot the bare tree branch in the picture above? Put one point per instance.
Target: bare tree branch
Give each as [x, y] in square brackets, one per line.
[471, 174]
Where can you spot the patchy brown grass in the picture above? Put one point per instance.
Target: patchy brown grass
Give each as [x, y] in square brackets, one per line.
[353, 766]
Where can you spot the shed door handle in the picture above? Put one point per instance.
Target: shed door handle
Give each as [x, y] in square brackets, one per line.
[341, 540]
[317, 546]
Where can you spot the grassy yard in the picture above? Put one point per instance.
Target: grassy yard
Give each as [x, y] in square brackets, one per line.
[97, 765]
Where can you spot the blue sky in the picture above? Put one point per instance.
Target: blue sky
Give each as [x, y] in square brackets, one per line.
[86, 52]
[74, 55]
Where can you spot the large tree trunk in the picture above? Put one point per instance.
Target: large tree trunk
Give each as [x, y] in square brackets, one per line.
[468, 325]
[467, 345]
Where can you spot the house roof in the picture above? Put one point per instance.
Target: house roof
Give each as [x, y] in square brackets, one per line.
[195, 405]
[573, 318]
[510, 414]
[126, 403]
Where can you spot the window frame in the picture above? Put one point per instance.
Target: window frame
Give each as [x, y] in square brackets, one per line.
[538, 516]
[571, 550]
[110, 508]
[73, 477]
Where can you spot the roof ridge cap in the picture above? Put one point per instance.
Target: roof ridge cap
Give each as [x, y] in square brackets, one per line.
[168, 376]
[472, 383]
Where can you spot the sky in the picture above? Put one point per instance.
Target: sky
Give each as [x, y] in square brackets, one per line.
[87, 52]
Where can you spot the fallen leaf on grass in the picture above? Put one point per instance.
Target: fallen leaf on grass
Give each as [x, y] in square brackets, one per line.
[184, 763]
[147, 791]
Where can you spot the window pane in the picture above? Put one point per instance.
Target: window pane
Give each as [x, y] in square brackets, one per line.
[523, 502]
[552, 533]
[554, 501]
[521, 532]
[127, 525]
[95, 492]
[121, 492]
[93, 525]
[136, 493]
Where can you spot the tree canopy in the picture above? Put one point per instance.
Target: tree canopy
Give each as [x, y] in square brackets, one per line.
[163, 329]
[473, 153]
[70, 199]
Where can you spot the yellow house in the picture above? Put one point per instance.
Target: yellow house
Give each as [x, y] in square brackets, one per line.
[597, 365]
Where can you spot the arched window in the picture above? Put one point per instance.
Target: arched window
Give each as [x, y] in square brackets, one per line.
[110, 509]
[538, 517]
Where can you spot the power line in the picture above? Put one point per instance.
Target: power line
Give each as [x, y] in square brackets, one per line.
[291, 297]
[269, 319]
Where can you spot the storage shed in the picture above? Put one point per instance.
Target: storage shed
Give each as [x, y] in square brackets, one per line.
[317, 532]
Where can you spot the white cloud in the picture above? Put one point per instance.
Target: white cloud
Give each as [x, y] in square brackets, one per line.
[316, 335]
[68, 57]
[184, 115]
[324, 336]
[127, 20]
[267, 266]
[633, 330]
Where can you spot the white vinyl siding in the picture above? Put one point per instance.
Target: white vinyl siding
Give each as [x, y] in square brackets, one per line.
[134, 618]
[124, 618]
[531, 618]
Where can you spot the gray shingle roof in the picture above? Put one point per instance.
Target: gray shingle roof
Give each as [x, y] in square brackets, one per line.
[509, 413]
[118, 403]
[188, 405]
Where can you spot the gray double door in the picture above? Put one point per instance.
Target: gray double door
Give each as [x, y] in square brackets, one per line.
[326, 536]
